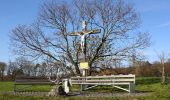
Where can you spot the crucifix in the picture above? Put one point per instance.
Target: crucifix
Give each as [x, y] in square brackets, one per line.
[82, 35]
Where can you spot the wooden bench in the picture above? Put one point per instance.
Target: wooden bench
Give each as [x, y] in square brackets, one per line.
[115, 80]
[30, 81]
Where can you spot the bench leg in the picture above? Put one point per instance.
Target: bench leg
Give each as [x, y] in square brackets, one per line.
[14, 88]
[132, 88]
[81, 87]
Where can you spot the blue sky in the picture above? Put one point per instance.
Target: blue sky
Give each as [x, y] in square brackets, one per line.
[155, 18]
[154, 14]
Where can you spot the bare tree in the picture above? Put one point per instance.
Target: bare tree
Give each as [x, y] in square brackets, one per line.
[25, 65]
[12, 67]
[14, 70]
[162, 59]
[2, 69]
[49, 35]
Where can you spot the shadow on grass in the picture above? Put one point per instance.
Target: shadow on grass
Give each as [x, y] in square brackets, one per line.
[105, 89]
[143, 91]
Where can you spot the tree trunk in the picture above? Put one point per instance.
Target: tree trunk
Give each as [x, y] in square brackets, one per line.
[2, 76]
[163, 73]
[77, 69]
[90, 70]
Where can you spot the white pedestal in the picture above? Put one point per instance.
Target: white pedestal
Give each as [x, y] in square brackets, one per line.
[66, 87]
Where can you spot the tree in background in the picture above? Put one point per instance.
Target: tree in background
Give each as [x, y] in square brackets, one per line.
[2, 69]
[25, 65]
[14, 70]
[49, 35]
[156, 66]
[167, 68]
[162, 59]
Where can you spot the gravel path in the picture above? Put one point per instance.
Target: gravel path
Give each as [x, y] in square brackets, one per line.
[26, 93]
[79, 94]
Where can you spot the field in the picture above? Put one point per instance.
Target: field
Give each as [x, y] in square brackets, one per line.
[146, 85]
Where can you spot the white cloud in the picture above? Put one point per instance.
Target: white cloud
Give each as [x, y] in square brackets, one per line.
[163, 25]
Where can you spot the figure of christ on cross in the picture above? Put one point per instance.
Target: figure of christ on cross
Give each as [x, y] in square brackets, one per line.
[83, 34]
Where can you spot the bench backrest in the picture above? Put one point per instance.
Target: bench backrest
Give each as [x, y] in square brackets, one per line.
[29, 79]
[32, 81]
[112, 79]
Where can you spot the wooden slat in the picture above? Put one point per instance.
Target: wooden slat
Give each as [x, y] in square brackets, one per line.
[102, 83]
[30, 77]
[111, 76]
[17, 81]
[33, 83]
[123, 80]
[92, 80]
[112, 80]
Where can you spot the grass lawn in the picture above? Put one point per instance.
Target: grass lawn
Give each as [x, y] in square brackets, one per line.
[9, 86]
[6, 86]
[145, 85]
